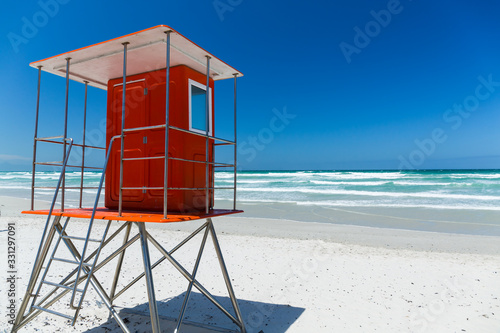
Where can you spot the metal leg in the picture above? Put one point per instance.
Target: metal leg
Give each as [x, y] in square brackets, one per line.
[229, 286]
[185, 273]
[47, 267]
[37, 267]
[23, 320]
[153, 309]
[97, 286]
[163, 251]
[108, 302]
[168, 255]
[89, 271]
[47, 302]
[190, 287]
[119, 264]
[93, 280]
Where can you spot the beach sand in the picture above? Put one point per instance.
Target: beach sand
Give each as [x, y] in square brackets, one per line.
[291, 276]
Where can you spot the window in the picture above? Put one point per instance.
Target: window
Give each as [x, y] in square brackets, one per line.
[197, 108]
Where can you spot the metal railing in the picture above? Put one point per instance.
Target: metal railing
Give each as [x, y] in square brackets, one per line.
[208, 176]
[62, 141]
[66, 166]
[209, 164]
[210, 140]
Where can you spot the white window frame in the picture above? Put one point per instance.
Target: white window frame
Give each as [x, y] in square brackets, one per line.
[204, 87]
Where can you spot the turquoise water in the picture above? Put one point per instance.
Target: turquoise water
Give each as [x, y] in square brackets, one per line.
[435, 189]
[439, 189]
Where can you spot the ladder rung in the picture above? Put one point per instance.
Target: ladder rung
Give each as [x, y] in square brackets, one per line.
[53, 312]
[61, 286]
[82, 238]
[70, 261]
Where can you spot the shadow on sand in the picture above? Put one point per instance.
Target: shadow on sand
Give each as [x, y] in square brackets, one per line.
[202, 316]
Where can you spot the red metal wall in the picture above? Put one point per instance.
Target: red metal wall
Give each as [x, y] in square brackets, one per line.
[147, 108]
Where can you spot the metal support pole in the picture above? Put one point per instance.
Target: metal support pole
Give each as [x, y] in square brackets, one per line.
[119, 264]
[207, 133]
[167, 100]
[93, 280]
[158, 246]
[182, 270]
[65, 131]
[153, 309]
[47, 266]
[102, 294]
[83, 141]
[88, 271]
[190, 286]
[43, 250]
[229, 286]
[32, 314]
[235, 143]
[34, 140]
[122, 149]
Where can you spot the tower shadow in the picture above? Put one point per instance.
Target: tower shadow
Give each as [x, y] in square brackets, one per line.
[202, 316]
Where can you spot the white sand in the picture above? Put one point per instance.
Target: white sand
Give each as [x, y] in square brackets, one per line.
[294, 277]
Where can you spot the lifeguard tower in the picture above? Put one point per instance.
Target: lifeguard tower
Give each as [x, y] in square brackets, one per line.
[159, 167]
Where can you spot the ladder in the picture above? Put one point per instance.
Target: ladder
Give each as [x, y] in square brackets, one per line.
[83, 265]
[83, 271]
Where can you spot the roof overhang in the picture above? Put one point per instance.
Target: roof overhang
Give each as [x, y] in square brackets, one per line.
[146, 52]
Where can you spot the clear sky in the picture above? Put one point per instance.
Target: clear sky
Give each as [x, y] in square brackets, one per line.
[340, 84]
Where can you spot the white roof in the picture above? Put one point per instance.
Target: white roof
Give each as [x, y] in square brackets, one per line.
[146, 52]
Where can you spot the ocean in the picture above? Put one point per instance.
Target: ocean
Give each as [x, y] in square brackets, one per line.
[431, 191]
[436, 189]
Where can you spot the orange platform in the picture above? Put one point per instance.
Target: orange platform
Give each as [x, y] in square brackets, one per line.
[133, 216]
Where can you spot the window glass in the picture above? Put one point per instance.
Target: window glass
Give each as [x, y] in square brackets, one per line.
[198, 108]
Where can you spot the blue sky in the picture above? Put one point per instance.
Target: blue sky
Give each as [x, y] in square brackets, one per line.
[328, 84]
